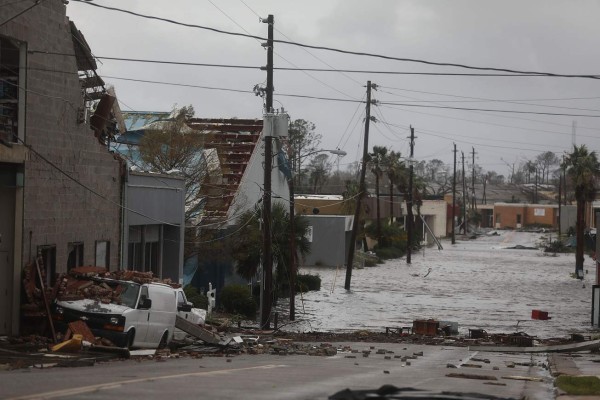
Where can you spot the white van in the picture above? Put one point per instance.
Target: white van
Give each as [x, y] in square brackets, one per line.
[143, 315]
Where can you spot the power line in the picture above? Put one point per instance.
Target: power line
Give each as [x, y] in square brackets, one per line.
[487, 110]
[488, 123]
[38, 2]
[89, 189]
[300, 69]
[280, 56]
[356, 53]
[481, 99]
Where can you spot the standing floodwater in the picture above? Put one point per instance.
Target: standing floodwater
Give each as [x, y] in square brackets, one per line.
[477, 283]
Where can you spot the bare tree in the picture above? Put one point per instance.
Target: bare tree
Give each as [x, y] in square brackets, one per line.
[303, 140]
[319, 169]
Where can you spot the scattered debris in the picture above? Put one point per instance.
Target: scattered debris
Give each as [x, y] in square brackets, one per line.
[197, 331]
[524, 378]
[472, 376]
[541, 315]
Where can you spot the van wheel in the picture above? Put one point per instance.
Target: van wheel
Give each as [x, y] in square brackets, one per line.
[163, 340]
[130, 338]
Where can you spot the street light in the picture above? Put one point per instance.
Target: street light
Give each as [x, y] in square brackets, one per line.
[293, 269]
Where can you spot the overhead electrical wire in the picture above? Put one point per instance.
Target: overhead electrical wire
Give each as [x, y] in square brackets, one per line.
[38, 2]
[356, 53]
[237, 66]
[488, 110]
[89, 189]
[485, 100]
[279, 55]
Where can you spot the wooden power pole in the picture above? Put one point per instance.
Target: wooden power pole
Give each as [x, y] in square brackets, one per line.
[409, 203]
[454, 198]
[267, 279]
[361, 190]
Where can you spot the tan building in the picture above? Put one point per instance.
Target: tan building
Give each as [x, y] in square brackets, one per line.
[517, 215]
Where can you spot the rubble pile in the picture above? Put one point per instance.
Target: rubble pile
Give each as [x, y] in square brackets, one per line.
[80, 283]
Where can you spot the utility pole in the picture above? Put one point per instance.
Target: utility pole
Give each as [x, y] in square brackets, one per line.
[473, 204]
[292, 268]
[560, 178]
[409, 203]
[564, 171]
[464, 207]
[454, 198]
[267, 281]
[535, 200]
[361, 189]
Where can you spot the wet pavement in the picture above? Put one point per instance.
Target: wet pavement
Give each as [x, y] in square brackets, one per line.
[478, 283]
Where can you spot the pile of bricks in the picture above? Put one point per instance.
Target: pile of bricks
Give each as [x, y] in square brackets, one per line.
[79, 284]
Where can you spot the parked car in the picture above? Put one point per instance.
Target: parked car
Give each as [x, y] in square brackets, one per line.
[140, 315]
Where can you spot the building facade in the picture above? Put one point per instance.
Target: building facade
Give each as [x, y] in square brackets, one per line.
[60, 189]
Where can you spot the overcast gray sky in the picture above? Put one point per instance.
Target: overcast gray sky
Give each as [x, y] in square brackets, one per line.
[548, 36]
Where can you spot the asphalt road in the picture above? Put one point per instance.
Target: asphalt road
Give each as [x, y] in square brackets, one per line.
[286, 377]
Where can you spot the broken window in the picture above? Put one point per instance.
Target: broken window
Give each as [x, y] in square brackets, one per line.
[48, 254]
[75, 255]
[103, 253]
[10, 62]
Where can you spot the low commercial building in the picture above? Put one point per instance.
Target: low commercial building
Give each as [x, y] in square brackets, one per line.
[518, 215]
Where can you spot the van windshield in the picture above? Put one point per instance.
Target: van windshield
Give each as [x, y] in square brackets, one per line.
[128, 295]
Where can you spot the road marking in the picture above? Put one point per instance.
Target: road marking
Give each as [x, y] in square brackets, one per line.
[112, 385]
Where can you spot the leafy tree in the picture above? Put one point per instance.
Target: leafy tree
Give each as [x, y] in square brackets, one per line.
[583, 168]
[303, 140]
[247, 242]
[545, 162]
[172, 146]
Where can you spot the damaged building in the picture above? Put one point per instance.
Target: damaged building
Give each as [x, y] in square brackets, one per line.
[60, 188]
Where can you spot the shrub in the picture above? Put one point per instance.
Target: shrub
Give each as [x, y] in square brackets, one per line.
[237, 299]
[556, 246]
[392, 235]
[307, 282]
[362, 259]
[388, 253]
[194, 296]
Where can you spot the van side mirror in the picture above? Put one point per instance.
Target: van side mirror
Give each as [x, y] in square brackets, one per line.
[145, 303]
[185, 307]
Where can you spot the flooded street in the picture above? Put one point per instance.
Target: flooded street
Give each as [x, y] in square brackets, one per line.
[477, 283]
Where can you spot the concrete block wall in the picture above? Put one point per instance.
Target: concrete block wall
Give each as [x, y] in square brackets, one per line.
[58, 210]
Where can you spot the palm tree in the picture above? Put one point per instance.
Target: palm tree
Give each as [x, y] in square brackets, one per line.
[247, 241]
[393, 168]
[377, 160]
[582, 168]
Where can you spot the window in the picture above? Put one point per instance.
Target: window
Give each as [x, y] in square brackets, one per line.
[10, 54]
[181, 300]
[48, 254]
[151, 258]
[518, 218]
[103, 253]
[498, 220]
[134, 248]
[75, 255]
